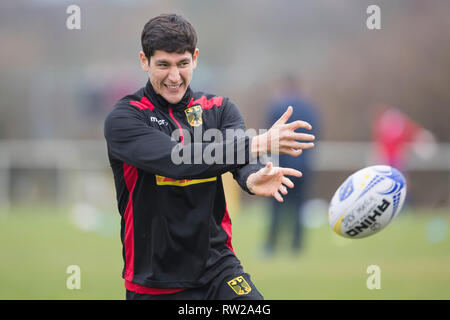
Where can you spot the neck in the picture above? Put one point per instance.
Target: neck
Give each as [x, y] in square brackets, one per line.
[161, 102]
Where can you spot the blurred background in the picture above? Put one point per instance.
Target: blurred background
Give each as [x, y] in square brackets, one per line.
[378, 97]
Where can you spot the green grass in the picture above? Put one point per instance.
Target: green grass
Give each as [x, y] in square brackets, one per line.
[38, 244]
[332, 267]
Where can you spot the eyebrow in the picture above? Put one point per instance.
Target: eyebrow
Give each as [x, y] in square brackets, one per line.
[168, 62]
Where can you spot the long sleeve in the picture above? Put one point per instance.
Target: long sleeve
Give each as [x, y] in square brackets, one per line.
[132, 140]
[232, 119]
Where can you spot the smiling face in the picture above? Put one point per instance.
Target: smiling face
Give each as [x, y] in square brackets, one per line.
[170, 73]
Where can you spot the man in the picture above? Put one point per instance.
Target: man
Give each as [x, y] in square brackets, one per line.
[175, 228]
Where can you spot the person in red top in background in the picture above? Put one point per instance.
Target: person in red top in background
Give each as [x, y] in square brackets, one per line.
[394, 133]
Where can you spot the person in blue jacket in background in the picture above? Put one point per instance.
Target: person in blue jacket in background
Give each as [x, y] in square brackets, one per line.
[291, 95]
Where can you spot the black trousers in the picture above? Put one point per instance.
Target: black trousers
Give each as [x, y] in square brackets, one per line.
[232, 284]
[290, 211]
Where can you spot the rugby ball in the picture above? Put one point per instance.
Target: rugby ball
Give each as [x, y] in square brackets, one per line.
[367, 201]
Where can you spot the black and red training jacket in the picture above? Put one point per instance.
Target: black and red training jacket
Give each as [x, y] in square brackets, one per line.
[175, 227]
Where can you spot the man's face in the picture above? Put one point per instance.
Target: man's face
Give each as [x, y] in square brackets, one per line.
[170, 73]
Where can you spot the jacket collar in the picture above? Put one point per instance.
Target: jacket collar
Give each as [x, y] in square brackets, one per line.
[160, 102]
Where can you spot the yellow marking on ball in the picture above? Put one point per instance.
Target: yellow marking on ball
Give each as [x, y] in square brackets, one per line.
[337, 226]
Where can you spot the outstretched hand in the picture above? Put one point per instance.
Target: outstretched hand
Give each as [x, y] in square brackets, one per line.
[270, 181]
[281, 138]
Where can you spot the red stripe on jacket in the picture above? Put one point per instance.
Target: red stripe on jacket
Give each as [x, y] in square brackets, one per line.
[147, 290]
[226, 225]
[143, 104]
[130, 175]
[205, 103]
[178, 124]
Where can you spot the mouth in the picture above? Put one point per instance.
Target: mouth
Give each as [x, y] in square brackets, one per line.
[173, 88]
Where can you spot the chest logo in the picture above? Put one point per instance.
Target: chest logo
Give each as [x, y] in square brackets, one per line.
[194, 115]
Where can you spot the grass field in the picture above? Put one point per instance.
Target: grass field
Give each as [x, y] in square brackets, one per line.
[38, 244]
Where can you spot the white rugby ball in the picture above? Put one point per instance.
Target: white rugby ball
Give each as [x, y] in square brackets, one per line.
[367, 201]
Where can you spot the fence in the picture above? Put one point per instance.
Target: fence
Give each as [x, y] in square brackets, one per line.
[65, 171]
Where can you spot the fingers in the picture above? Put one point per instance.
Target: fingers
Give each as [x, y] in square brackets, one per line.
[277, 196]
[291, 146]
[287, 182]
[297, 145]
[294, 148]
[286, 141]
[299, 124]
[302, 136]
[290, 172]
[291, 151]
[285, 117]
[283, 189]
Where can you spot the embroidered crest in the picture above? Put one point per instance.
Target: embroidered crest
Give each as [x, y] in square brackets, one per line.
[194, 115]
[239, 285]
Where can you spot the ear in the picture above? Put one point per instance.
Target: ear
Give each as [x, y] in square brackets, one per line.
[144, 61]
[194, 58]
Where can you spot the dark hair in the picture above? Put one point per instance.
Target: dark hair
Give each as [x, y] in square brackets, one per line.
[170, 33]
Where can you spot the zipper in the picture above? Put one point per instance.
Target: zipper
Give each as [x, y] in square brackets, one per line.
[178, 124]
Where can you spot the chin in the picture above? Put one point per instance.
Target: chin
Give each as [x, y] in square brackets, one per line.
[173, 100]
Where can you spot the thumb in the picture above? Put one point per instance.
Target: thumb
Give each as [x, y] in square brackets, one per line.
[267, 169]
[285, 117]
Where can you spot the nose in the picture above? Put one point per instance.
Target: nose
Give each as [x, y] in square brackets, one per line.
[174, 75]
